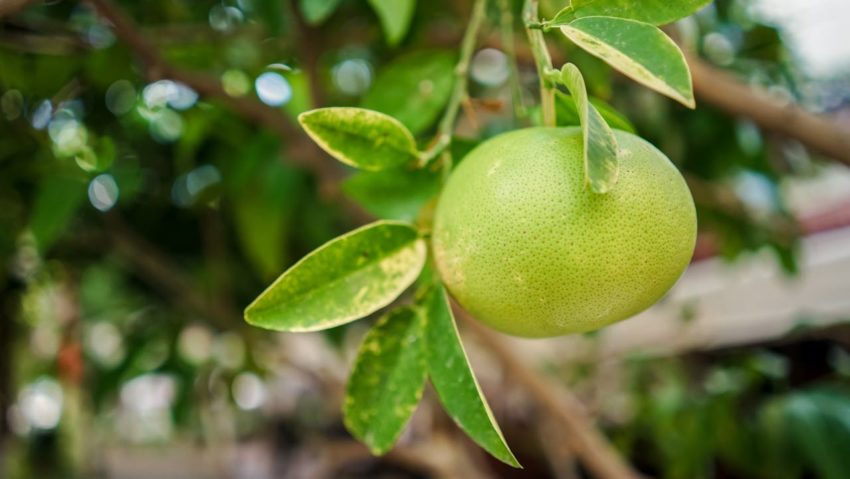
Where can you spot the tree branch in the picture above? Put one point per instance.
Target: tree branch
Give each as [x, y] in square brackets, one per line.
[589, 445]
[302, 151]
[11, 7]
[725, 92]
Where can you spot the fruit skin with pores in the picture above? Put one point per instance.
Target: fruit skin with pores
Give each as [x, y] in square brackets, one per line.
[524, 246]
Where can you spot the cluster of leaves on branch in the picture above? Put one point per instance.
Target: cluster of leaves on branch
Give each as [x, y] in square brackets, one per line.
[368, 269]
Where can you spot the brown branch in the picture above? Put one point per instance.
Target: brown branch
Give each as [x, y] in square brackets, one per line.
[11, 7]
[725, 92]
[588, 444]
[302, 151]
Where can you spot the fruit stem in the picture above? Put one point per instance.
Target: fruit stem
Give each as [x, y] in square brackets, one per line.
[460, 91]
[542, 60]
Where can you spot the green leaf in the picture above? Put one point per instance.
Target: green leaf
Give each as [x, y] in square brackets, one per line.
[454, 381]
[317, 11]
[655, 12]
[56, 202]
[396, 194]
[366, 139]
[639, 50]
[395, 16]
[413, 88]
[387, 380]
[600, 147]
[345, 279]
[568, 115]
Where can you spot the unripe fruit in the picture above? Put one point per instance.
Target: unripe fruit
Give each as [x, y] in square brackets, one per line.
[527, 248]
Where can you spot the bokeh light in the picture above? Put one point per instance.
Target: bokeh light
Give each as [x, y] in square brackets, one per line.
[40, 404]
[235, 82]
[224, 18]
[195, 344]
[41, 115]
[273, 89]
[352, 76]
[490, 67]
[249, 391]
[103, 192]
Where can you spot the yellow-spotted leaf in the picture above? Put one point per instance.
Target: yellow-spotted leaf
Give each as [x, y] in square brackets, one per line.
[387, 380]
[345, 279]
[600, 145]
[656, 12]
[362, 138]
[639, 50]
[454, 380]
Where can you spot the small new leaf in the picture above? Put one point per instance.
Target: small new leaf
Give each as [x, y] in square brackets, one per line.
[454, 380]
[345, 279]
[362, 138]
[395, 16]
[317, 11]
[655, 12]
[600, 145]
[639, 50]
[387, 380]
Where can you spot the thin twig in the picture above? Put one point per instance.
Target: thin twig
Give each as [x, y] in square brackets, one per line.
[461, 86]
[589, 445]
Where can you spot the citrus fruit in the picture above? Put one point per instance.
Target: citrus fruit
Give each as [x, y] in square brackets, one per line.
[524, 246]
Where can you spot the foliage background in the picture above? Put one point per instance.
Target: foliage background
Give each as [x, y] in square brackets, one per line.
[138, 215]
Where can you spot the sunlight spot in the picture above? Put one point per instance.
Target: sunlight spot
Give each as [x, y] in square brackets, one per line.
[490, 67]
[273, 89]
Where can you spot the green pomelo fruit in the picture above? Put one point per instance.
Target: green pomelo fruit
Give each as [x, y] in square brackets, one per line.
[527, 248]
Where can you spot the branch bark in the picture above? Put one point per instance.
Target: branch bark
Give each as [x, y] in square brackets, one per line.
[725, 92]
[589, 445]
[302, 151]
[11, 7]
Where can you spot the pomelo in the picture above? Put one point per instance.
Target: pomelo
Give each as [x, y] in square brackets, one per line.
[524, 246]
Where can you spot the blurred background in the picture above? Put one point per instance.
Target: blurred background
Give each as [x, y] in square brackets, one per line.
[153, 181]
